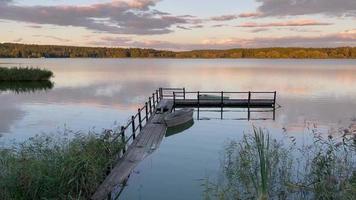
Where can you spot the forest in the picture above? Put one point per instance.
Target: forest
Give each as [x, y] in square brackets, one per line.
[14, 50]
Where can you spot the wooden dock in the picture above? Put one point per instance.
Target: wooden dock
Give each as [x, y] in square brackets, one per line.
[145, 131]
[144, 144]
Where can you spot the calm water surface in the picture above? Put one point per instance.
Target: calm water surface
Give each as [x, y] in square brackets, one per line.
[93, 94]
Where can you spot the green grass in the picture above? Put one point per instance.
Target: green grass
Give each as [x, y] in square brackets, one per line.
[24, 74]
[259, 167]
[47, 168]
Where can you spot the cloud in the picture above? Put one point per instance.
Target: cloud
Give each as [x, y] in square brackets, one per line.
[300, 22]
[117, 16]
[250, 14]
[305, 7]
[224, 18]
[257, 30]
[52, 37]
[218, 25]
[345, 38]
[18, 40]
[233, 17]
[183, 28]
[34, 26]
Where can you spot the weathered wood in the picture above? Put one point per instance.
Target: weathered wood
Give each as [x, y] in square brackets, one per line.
[146, 142]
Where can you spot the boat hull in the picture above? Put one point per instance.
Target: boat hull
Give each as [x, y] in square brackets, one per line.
[179, 117]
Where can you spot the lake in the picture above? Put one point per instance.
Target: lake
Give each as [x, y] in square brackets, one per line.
[97, 94]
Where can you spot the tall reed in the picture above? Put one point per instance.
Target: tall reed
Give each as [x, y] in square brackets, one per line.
[45, 167]
[258, 167]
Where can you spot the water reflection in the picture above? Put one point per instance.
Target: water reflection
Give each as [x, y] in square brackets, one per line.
[25, 86]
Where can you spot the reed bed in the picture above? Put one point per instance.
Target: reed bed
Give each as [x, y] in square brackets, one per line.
[47, 168]
[262, 168]
[24, 74]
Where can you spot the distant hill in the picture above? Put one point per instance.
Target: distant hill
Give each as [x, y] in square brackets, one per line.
[12, 50]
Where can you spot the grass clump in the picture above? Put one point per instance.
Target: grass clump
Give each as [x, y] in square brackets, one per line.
[24, 74]
[258, 167]
[48, 168]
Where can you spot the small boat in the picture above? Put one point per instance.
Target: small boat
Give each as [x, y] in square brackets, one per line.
[179, 117]
[211, 97]
[180, 128]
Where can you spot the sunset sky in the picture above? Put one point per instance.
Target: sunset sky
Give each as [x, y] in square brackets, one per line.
[180, 24]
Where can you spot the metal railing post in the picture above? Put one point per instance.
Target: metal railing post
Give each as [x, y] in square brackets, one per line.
[198, 96]
[174, 99]
[161, 93]
[248, 105]
[157, 98]
[146, 109]
[150, 103]
[222, 103]
[184, 93]
[139, 119]
[154, 102]
[122, 132]
[274, 99]
[133, 127]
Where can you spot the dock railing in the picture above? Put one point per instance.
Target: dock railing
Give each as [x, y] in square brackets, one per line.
[128, 133]
[220, 96]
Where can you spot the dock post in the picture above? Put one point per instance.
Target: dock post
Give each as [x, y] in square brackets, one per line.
[157, 98]
[161, 93]
[150, 104]
[184, 93]
[122, 132]
[139, 119]
[248, 105]
[154, 101]
[146, 109]
[274, 105]
[198, 104]
[174, 99]
[133, 127]
[222, 104]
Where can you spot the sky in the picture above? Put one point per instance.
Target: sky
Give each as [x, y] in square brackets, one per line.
[180, 24]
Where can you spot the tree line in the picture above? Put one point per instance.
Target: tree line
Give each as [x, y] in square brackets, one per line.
[12, 50]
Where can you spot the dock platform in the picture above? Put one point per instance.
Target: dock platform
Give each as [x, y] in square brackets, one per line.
[145, 131]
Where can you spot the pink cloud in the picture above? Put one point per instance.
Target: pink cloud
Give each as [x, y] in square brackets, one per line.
[299, 22]
[250, 14]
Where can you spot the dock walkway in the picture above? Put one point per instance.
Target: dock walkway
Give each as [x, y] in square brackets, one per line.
[144, 144]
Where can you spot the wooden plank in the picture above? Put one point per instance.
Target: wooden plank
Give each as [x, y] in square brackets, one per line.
[146, 142]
